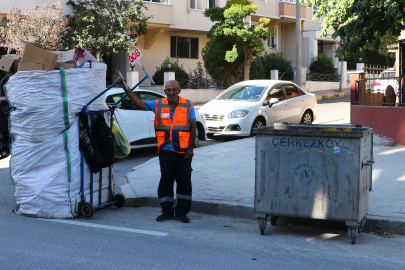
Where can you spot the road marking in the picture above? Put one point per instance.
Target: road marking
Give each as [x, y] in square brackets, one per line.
[99, 226]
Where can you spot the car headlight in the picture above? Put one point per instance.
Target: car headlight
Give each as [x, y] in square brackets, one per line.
[238, 114]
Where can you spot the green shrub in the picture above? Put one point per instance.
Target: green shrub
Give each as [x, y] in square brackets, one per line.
[322, 64]
[181, 75]
[262, 65]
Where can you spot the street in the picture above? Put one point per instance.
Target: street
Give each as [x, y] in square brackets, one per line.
[130, 238]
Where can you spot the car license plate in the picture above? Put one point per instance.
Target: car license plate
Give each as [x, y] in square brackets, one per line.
[214, 124]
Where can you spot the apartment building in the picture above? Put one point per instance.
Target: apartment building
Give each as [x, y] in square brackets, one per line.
[178, 30]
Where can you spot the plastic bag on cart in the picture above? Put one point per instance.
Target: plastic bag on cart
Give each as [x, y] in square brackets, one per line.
[123, 148]
[87, 145]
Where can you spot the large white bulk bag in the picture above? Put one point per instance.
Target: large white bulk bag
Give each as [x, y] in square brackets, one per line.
[40, 161]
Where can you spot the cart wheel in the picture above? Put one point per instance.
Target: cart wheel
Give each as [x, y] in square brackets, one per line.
[353, 235]
[120, 201]
[86, 209]
[273, 220]
[262, 225]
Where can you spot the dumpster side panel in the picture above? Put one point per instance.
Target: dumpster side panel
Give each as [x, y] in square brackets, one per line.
[366, 156]
[308, 177]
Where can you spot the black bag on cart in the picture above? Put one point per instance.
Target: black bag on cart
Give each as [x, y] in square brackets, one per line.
[97, 143]
[4, 134]
[104, 139]
[87, 145]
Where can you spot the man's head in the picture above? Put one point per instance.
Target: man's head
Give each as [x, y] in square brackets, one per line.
[172, 90]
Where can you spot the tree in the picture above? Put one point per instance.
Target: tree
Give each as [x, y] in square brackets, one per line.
[104, 27]
[40, 24]
[213, 55]
[232, 22]
[362, 23]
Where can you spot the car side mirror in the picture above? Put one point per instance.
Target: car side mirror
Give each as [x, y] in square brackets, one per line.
[266, 102]
[273, 101]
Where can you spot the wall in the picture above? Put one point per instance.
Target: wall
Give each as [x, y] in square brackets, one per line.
[314, 86]
[161, 49]
[387, 121]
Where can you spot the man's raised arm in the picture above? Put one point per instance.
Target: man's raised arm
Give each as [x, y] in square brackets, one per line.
[131, 95]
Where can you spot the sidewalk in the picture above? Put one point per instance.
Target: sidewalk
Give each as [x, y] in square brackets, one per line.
[224, 181]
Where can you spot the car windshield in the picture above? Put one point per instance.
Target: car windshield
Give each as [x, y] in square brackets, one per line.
[243, 92]
[387, 75]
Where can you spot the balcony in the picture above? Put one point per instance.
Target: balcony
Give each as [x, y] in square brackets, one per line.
[288, 10]
[162, 13]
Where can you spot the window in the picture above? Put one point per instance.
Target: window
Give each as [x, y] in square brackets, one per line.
[158, 1]
[184, 47]
[288, 1]
[292, 91]
[203, 4]
[276, 92]
[272, 40]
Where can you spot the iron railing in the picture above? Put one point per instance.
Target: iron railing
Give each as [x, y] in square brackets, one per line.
[323, 77]
[380, 92]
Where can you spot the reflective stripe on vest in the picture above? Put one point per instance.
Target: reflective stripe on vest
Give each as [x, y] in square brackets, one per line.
[176, 130]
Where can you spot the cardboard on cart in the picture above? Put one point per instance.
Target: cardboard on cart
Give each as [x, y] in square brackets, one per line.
[66, 65]
[6, 60]
[30, 66]
[34, 54]
[6, 63]
[65, 56]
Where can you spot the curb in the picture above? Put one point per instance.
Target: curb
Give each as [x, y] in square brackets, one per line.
[395, 227]
[331, 96]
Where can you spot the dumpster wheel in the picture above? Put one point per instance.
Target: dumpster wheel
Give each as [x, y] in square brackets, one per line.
[120, 201]
[262, 225]
[273, 220]
[353, 235]
[86, 209]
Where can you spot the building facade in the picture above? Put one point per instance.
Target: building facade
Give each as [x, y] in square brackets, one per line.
[178, 29]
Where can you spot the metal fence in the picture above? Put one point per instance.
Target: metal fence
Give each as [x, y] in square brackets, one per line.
[286, 76]
[374, 71]
[380, 91]
[205, 83]
[323, 77]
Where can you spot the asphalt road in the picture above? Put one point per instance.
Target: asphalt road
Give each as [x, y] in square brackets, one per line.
[130, 238]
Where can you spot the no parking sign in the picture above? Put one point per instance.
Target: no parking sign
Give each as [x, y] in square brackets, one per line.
[135, 56]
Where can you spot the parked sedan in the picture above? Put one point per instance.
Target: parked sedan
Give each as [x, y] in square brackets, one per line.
[253, 104]
[138, 125]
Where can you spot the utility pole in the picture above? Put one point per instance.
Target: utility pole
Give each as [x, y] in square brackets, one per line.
[298, 69]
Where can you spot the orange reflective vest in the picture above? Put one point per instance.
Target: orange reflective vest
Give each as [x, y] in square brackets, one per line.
[178, 130]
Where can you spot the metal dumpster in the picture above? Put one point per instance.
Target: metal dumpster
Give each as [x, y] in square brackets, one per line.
[313, 171]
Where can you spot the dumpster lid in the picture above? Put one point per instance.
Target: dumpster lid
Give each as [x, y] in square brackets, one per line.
[345, 131]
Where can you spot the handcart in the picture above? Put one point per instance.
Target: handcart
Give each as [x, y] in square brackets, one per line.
[104, 195]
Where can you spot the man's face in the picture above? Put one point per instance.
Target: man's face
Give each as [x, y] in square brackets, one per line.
[172, 91]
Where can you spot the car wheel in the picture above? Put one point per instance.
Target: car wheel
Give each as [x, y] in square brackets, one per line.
[258, 123]
[197, 138]
[306, 118]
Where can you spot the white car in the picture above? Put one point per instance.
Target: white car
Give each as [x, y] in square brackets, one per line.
[253, 104]
[387, 77]
[138, 125]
